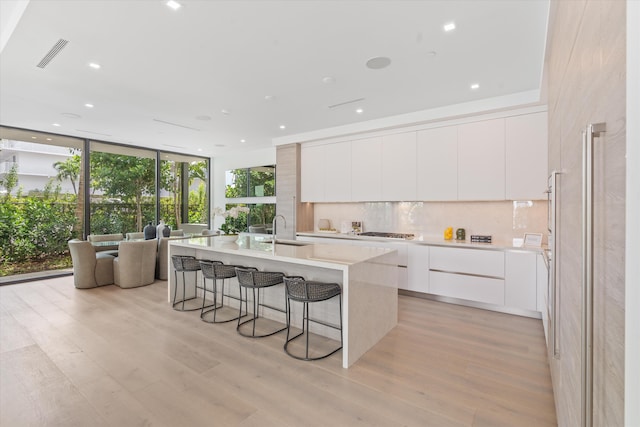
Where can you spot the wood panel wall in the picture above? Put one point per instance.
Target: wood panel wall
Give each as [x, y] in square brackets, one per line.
[586, 65]
[299, 216]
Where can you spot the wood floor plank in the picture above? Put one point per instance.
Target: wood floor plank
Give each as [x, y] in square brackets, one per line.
[123, 357]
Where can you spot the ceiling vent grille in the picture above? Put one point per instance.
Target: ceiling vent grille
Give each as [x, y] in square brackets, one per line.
[53, 52]
[342, 104]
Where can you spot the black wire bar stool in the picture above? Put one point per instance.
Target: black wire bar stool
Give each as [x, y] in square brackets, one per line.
[185, 264]
[251, 278]
[298, 289]
[217, 271]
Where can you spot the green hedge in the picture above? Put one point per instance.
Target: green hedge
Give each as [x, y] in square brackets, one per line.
[33, 228]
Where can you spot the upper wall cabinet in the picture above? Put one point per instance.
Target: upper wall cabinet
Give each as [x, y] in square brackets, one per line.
[526, 156]
[498, 159]
[326, 173]
[312, 173]
[437, 164]
[366, 167]
[399, 167]
[337, 167]
[481, 157]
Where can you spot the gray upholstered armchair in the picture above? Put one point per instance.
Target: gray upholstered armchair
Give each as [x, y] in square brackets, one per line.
[136, 263]
[90, 268]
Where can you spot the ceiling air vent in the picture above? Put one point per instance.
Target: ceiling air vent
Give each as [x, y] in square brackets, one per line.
[342, 104]
[53, 52]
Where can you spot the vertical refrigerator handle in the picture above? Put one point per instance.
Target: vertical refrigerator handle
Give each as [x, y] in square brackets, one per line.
[593, 130]
[554, 289]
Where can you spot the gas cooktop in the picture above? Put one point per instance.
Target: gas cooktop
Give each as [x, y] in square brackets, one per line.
[405, 236]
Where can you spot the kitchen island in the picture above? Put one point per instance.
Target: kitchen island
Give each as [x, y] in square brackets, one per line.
[367, 276]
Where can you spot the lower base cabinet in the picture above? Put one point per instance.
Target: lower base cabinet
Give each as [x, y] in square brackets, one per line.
[521, 277]
[514, 281]
[463, 286]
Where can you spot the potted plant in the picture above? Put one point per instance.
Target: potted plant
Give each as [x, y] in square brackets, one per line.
[235, 221]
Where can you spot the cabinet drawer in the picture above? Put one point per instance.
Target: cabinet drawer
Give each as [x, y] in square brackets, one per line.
[481, 289]
[468, 261]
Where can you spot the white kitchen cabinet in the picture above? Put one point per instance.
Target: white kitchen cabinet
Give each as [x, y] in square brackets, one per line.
[326, 173]
[526, 151]
[399, 167]
[521, 280]
[481, 262]
[437, 164]
[337, 169]
[469, 274]
[418, 268]
[366, 167]
[481, 160]
[471, 288]
[312, 182]
[542, 283]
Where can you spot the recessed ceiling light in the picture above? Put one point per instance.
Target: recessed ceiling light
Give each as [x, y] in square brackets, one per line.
[88, 105]
[475, 86]
[378, 63]
[359, 111]
[450, 26]
[328, 80]
[200, 149]
[174, 5]
[432, 53]
[283, 127]
[48, 139]
[269, 98]
[94, 65]
[243, 140]
[34, 137]
[56, 124]
[71, 115]
[225, 111]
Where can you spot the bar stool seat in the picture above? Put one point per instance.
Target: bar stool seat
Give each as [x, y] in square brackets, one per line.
[185, 264]
[251, 278]
[304, 291]
[216, 270]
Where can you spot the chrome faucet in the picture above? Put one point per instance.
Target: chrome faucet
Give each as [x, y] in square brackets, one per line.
[274, 224]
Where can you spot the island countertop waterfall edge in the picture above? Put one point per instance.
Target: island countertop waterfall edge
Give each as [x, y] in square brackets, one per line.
[367, 275]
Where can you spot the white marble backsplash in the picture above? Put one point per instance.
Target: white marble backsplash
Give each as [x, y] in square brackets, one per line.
[502, 220]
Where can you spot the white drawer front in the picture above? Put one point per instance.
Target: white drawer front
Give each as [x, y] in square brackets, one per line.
[481, 289]
[470, 261]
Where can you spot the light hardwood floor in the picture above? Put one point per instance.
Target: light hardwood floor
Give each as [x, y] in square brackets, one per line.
[123, 357]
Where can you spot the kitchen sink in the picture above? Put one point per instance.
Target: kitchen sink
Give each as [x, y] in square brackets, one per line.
[288, 242]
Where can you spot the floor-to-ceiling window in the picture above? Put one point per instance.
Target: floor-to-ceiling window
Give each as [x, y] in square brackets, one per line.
[54, 188]
[41, 207]
[184, 195]
[123, 188]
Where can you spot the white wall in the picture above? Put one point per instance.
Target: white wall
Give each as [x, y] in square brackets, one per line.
[221, 164]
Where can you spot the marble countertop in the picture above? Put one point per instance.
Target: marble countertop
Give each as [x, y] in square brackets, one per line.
[496, 244]
[319, 255]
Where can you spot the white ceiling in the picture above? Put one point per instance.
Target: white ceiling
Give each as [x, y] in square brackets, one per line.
[162, 70]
